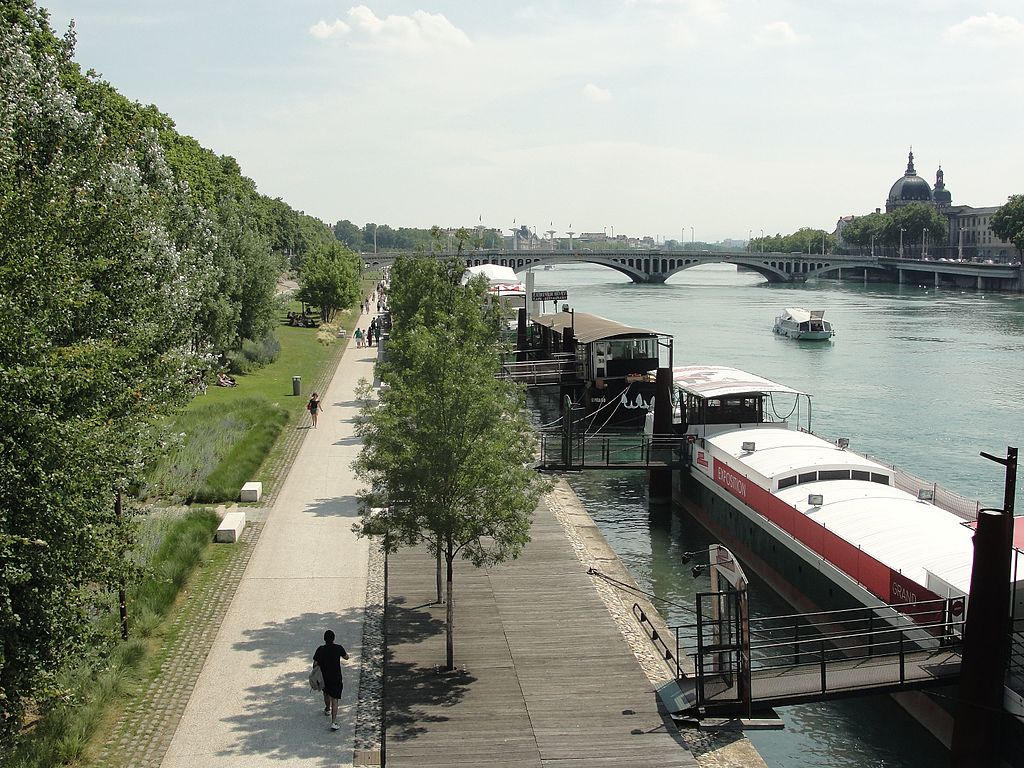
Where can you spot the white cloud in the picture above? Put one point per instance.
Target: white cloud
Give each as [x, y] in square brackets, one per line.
[989, 29]
[413, 34]
[778, 33]
[322, 30]
[707, 11]
[596, 94]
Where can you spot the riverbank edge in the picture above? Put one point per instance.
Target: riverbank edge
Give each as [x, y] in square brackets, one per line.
[712, 749]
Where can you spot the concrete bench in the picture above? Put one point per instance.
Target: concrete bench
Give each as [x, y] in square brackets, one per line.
[230, 528]
[251, 491]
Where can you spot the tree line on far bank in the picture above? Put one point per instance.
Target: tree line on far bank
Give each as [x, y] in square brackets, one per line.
[131, 260]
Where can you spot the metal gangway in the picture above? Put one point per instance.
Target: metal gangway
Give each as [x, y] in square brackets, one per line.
[800, 658]
[577, 451]
[729, 664]
[540, 373]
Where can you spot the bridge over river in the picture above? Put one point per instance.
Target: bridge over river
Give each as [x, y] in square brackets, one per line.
[656, 266]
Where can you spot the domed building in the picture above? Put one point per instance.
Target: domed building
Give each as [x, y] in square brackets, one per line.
[970, 233]
[911, 188]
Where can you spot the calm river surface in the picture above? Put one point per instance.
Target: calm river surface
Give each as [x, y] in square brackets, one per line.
[924, 378]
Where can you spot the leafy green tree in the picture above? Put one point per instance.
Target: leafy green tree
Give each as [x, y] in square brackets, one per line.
[329, 279]
[1008, 222]
[920, 222]
[96, 313]
[446, 449]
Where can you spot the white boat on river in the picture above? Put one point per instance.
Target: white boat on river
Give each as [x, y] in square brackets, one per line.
[806, 325]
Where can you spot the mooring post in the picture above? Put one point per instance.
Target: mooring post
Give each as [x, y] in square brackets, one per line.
[660, 480]
[521, 353]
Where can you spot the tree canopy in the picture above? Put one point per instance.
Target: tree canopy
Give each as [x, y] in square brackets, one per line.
[919, 222]
[130, 254]
[1008, 222]
[445, 451]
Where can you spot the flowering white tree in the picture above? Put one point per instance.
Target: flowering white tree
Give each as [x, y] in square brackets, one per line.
[97, 298]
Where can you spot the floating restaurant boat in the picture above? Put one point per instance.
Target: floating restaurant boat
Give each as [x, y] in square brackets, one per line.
[613, 365]
[826, 527]
[803, 324]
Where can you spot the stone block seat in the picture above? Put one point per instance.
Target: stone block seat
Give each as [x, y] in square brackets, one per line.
[230, 528]
[251, 491]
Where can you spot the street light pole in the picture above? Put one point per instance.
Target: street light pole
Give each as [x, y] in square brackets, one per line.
[872, 246]
[960, 246]
[748, 240]
[375, 238]
[762, 241]
[901, 241]
[691, 237]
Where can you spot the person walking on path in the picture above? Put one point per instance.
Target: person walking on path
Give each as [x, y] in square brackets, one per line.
[359, 337]
[313, 406]
[328, 657]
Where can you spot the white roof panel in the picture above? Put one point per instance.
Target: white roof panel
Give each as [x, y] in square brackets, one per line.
[908, 535]
[780, 452]
[717, 380]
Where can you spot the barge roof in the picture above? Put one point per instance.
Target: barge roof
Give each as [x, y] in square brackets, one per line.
[910, 536]
[588, 328]
[709, 381]
[780, 452]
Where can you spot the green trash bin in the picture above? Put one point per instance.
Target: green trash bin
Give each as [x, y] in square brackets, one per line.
[296, 385]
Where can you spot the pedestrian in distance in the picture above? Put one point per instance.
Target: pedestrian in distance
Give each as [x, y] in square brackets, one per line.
[359, 337]
[328, 657]
[313, 406]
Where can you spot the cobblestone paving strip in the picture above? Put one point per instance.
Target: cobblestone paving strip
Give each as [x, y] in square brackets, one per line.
[140, 736]
[369, 717]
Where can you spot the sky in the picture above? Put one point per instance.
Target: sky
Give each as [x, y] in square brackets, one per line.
[642, 117]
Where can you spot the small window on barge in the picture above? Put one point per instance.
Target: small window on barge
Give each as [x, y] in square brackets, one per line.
[880, 479]
[834, 474]
[786, 482]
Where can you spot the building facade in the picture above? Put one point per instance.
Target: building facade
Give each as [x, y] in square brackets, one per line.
[969, 234]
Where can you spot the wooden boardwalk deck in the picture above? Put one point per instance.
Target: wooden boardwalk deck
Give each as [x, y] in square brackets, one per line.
[548, 680]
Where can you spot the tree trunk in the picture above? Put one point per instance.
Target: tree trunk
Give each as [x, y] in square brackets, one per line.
[449, 556]
[437, 575]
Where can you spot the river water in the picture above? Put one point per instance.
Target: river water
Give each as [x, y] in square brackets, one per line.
[922, 377]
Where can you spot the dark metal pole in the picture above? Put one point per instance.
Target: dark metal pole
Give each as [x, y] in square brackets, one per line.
[122, 598]
[977, 726]
[660, 480]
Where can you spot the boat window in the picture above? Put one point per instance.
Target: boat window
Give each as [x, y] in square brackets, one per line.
[834, 474]
[787, 481]
[860, 474]
[877, 478]
[808, 477]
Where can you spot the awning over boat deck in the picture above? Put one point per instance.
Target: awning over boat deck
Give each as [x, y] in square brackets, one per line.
[588, 328]
[717, 381]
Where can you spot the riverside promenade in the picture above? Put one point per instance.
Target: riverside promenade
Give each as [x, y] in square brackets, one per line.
[251, 704]
[545, 678]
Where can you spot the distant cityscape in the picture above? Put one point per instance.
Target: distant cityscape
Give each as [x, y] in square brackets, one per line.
[969, 232]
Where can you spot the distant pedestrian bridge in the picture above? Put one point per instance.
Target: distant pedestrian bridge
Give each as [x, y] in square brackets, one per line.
[656, 266]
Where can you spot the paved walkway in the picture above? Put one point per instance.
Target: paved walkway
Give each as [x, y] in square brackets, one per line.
[251, 705]
[546, 679]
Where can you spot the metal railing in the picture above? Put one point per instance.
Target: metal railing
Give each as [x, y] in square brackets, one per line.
[624, 451]
[539, 372]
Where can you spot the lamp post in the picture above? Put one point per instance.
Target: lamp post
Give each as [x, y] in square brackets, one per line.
[902, 230]
[872, 246]
[823, 242]
[960, 246]
[762, 241]
[748, 240]
[691, 237]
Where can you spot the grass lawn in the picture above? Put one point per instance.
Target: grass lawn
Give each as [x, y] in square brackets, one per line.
[220, 441]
